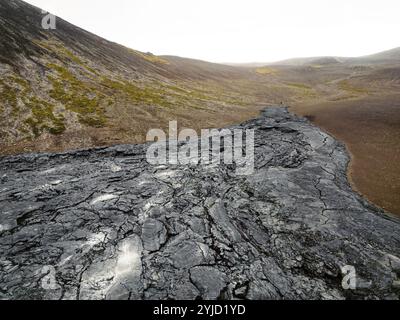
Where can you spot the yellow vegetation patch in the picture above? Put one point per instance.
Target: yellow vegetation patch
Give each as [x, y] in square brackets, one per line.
[266, 70]
[298, 85]
[349, 87]
[150, 57]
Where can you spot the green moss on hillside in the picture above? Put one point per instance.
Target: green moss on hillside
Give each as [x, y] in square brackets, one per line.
[63, 53]
[77, 96]
[8, 97]
[147, 95]
[43, 118]
[40, 113]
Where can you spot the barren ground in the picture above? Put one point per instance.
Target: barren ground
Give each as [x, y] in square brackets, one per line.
[370, 127]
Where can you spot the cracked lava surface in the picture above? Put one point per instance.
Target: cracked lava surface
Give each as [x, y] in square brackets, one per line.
[104, 224]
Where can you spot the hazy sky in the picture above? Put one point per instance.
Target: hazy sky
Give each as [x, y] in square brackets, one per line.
[239, 31]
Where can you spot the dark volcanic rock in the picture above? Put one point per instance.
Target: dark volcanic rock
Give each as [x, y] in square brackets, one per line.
[104, 224]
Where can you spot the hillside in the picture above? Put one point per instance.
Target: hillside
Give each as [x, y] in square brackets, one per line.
[388, 56]
[67, 88]
[385, 56]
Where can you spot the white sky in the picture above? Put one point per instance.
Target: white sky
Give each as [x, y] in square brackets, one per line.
[239, 30]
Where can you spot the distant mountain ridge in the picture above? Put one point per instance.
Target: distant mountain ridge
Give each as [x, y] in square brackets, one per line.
[388, 55]
[393, 54]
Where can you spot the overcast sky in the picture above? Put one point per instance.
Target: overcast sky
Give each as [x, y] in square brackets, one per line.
[239, 30]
